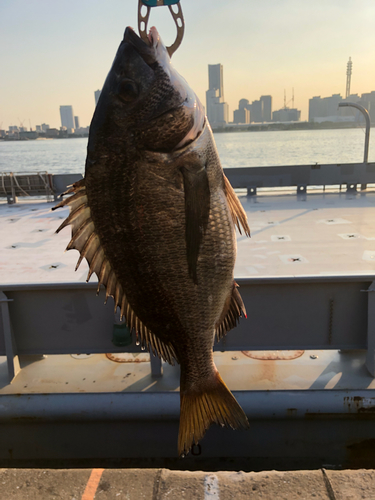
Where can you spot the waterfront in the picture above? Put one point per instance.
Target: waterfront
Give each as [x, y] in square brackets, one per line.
[236, 149]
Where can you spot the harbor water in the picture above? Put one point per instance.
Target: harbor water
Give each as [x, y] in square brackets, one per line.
[236, 149]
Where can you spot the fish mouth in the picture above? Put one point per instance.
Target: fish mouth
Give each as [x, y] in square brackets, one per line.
[146, 51]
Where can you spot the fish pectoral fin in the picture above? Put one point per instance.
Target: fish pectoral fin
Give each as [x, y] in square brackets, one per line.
[236, 209]
[234, 308]
[197, 210]
[202, 406]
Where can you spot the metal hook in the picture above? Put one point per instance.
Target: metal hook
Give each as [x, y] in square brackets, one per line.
[177, 17]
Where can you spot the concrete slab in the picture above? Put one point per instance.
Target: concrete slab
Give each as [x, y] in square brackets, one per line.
[352, 485]
[165, 484]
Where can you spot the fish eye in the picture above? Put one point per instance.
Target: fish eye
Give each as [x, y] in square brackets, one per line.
[128, 90]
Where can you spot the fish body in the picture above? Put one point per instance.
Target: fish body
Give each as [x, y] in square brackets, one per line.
[155, 218]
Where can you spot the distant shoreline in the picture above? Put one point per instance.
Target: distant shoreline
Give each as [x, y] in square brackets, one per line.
[252, 127]
[272, 127]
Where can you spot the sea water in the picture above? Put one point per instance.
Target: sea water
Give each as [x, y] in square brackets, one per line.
[236, 149]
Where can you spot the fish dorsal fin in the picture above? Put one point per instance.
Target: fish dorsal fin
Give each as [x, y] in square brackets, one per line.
[87, 242]
[197, 210]
[238, 213]
[234, 308]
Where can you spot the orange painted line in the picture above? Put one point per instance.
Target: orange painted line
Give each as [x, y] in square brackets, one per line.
[92, 484]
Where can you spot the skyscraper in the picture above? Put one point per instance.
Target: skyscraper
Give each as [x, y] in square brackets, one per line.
[217, 109]
[67, 117]
[267, 107]
[97, 95]
[76, 122]
[215, 78]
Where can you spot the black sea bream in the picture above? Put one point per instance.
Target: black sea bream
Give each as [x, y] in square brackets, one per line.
[155, 218]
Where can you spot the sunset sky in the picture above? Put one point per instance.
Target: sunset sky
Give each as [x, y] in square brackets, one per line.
[59, 53]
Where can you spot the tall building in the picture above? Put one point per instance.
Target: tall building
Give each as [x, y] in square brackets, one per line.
[67, 117]
[97, 95]
[242, 114]
[256, 111]
[76, 122]
[267, 107]
[217, 108]
[215, 78]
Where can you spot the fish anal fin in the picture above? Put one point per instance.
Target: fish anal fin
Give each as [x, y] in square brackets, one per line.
[212, 403]
[197, 209]
[233, 309]
[236, 209]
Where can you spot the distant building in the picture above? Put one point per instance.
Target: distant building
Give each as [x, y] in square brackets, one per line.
[256, 112]
[267, 107]
[76, 122]
[45, 127]
[242, 114]
[52, 132]
[215, 78]
[286, 115]
[368, 102]
[67, 117]
[261, 110]
[327, 108]
[217, 109]
[97, 95]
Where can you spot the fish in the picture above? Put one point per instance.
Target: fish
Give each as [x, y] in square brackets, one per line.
[155, 218]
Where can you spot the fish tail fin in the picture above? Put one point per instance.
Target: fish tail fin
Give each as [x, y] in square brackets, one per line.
[212, 403]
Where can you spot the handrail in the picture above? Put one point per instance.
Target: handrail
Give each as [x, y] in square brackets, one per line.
[367, 118]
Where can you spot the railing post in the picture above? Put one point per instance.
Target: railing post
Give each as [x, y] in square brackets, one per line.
[156, 366]
[370, 357]
[10, 344]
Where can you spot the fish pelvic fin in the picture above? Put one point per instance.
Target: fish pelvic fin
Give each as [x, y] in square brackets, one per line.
[213, 403]
[234, 309]
[236, 209]
[87, 242]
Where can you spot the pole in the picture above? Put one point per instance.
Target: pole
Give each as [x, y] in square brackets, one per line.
[367, 118]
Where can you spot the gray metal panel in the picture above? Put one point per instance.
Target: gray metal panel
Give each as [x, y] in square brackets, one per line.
[322, 425]
[309, 175]
[61, 181]
[2, 340]
[61, 321]
[292, 313]
[301, 315]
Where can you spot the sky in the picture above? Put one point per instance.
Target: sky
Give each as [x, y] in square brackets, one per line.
[58, 53]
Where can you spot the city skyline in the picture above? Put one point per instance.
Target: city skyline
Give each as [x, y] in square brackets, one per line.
[61, 53]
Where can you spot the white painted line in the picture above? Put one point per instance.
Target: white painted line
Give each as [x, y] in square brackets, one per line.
[211, 487]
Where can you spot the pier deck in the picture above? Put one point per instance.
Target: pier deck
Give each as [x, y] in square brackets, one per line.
[308, 407]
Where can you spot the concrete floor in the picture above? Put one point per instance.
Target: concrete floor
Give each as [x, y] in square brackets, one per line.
[160, 484]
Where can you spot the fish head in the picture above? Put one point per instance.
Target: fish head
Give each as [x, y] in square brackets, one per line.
[145, 98]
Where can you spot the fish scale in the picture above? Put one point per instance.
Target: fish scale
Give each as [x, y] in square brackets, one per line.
[155, 218]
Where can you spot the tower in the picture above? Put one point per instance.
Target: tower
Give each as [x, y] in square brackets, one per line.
[348, 77]
[67, 117]
[215, 78]
[216, 108]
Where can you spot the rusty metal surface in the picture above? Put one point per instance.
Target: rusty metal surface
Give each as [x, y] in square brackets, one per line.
[62, 374]
[273, 355]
